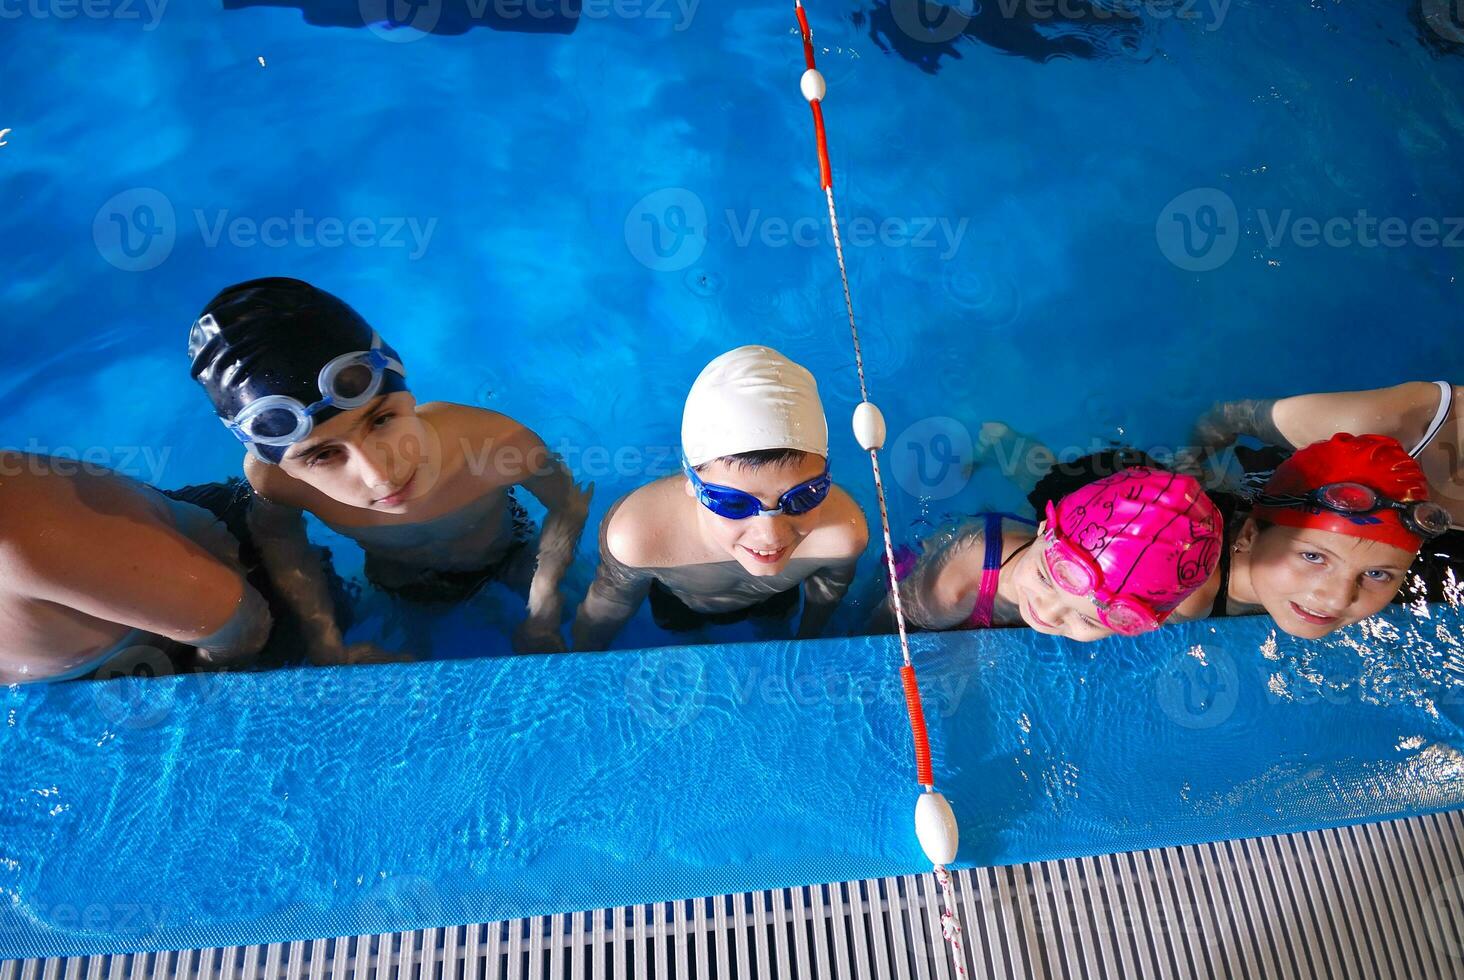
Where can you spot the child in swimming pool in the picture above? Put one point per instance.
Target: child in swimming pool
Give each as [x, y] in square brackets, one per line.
[753, 518]
[1121, 554]
[1330, 537]
[95, 567]
[425, 489]
[1425, 416]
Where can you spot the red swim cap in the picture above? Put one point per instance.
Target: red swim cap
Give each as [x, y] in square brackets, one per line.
[1378, 462]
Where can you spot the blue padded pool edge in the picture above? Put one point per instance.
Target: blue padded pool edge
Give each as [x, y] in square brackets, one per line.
[237, 809]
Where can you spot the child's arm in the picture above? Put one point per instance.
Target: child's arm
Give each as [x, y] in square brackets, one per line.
[1227, 421]
[567, 507]
[1402, 411]
[106, 562]
[822, 593]
[613, 597]
[295, 571]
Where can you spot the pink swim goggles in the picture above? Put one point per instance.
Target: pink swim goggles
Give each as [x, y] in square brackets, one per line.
[1076, 573]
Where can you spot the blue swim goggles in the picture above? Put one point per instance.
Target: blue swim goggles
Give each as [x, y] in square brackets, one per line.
[738, 505]
[346, 382]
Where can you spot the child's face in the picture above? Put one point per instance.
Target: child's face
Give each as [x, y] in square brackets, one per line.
[761, 545]
[1313, 582]
[376, 456]
[1047, 607]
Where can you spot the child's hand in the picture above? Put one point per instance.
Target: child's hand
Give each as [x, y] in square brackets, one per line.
[359, 653]
[539, 636]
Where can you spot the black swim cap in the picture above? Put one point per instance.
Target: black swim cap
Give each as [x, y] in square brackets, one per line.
[272, 337]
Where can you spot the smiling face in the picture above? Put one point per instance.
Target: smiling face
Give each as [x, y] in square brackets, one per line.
[1313, 582]
[369, 457]
[1047, 607]
[761, 545]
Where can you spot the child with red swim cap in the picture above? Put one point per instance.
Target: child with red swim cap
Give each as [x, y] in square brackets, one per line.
[1331, 536]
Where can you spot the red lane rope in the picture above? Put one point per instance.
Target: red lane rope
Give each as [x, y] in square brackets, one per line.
[917, 726]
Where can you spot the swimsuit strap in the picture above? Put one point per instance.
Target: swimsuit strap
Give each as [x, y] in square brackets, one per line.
[1446, 403]
[991, 567]
[1220, 607]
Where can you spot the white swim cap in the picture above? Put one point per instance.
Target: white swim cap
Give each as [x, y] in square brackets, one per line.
[751, 399]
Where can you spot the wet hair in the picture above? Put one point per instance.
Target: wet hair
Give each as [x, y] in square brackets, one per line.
[1064, 478]
[759, 459]
[272, 337]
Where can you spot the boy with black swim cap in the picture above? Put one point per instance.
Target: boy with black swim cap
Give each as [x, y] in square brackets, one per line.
[322, 403]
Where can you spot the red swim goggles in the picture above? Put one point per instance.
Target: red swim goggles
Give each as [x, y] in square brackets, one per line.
[1076, 573]
[1423, 517]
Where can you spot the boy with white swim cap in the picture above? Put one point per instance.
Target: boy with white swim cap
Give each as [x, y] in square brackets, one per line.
[753, 516]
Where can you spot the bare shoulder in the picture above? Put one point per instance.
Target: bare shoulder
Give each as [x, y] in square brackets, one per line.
[641, 529]
[474, 424]
[843, 531]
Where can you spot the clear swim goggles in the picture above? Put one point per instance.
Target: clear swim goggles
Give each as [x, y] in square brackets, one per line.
[1423, 517]
[737, 505]
[346, 382]
[1076, 573]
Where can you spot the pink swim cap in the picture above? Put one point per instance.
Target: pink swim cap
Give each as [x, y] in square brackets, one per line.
[1155, 535]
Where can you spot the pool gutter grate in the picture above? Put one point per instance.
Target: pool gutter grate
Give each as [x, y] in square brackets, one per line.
[1378, 900]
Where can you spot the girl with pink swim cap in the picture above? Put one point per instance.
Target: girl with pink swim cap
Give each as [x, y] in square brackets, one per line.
[1119, 555]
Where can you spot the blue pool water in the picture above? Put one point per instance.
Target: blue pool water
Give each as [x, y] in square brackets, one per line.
[564, 225]
[218, 810]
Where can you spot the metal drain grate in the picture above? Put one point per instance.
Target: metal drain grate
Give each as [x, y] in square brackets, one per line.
[1381, 900]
